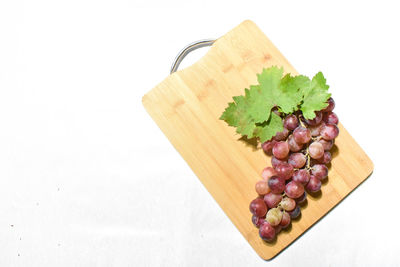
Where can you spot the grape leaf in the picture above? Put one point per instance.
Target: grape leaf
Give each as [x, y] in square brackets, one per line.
[263, 96]
[237, 115]
[252, 114]
[256, 105]
[290, 94]
[268, 129]
[315, 96]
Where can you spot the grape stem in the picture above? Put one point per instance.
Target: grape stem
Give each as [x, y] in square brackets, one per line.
[308, 167]
[308, 159]
[316, 138]
[301, 122]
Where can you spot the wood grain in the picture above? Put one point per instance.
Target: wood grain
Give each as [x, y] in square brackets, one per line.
[187, 105]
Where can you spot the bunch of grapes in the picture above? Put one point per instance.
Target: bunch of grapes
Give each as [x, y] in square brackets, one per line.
[299, 157]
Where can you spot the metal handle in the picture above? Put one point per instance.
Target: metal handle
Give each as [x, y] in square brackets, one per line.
[187, 49]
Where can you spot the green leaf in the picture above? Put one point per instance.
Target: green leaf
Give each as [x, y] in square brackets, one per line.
[315, 96]
[237, 115]
[260, 103]
[252, 114]
[256, 105]
[281, 92]
[289, 94]
[263, 96]
[269, 128]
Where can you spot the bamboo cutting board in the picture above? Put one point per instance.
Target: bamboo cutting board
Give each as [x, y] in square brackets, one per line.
[187, 105]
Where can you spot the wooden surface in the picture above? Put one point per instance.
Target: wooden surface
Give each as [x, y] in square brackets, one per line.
[187, 105]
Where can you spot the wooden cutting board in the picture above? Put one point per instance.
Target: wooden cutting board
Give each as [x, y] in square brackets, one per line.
[187, 105]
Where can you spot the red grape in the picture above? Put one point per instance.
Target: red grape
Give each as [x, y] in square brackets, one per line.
[276, 184]
[320, 171]
[272, 200]
[326, 158]
[297, 160]
[293, 145]
[314, 184]
[262, 187]
[295, 213]
[267, 232]
[329, 131]
[258, 207]
[316, 150]
[291, 122]
[301, 176]
[294, 189]
[284, 170]
[316, 129]
[280, 136]
[268, 145]
[326, 144]
[300, 200]
[301, 135]
[331, 117]
[257, 221]
[285, 222]
[280, 150]
[275, 162]
[331, 105]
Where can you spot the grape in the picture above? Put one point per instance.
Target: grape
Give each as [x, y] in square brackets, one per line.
[294, 189]
[331, 117]
[268, 172]
[284, 170]
[302, 199]
[275, 162]
[326, 158]
[293, 145]
[267, 232]
[326, 144]
[274, 216]
[301, 135]
[320, 171]
[280, 136]
[295, 213]
[291, 122]
[316, 120]
[288, 204]
[316, 150]
[262, 187]
[257, 221]
[280, 150]
[331, 105]
[301, 176]
[258, 207]
[268, 145]
[316, 129]
[282, 188]
[272, 200]
[285, 222]
[297, 160]
[329, 131]
[314, 184]
[278, 228]
[276, 184]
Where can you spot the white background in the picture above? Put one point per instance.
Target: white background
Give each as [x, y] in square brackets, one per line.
[88, 179]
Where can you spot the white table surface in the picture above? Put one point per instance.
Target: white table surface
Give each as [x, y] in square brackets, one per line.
[88, 179]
